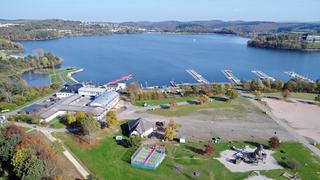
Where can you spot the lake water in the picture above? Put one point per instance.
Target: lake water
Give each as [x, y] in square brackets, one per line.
[155, 59]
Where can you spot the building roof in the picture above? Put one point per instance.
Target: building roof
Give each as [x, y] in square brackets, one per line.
[93, 89]
[105, 99]
[71, 88]
[32, 108]
[139, 125]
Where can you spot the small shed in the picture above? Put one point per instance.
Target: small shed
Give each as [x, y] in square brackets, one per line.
[182, 139]
[140, 127]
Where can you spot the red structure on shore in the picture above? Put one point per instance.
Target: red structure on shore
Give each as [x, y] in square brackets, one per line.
[123, 78]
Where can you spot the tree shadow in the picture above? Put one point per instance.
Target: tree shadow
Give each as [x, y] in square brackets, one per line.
[195, 150]
[255, 144]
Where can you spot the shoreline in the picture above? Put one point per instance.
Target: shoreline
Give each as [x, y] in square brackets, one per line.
[69, 75]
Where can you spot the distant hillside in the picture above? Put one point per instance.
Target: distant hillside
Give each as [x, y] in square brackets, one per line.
[235, 27]
[21, 29]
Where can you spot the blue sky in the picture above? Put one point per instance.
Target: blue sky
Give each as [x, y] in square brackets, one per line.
[158, 10]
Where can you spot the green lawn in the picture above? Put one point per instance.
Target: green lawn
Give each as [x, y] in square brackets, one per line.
[307, 96]
[183, 110]
[56, 123]
[61, 75]
[108, 160]
[163, 101]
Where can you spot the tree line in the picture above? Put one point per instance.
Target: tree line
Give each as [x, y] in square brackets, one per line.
[26, 157]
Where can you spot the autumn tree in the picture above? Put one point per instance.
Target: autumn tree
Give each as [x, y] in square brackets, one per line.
[285, 93]
[71, 118]
[209, 149]
[274, 142]
[203, 99]
[88, 126]
[170, 133]
[173, 104]
[80, 115]
[27, 166]
[112, 119]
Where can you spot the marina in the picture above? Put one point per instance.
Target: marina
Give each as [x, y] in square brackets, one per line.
[229, 75]
[295, 75]
[197, 76]
[262, 75]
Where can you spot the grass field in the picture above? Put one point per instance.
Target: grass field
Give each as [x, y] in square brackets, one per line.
[56, 123]
[183, 110]
[61, 75]
[112, 161]
[307, 96]
[163, 101]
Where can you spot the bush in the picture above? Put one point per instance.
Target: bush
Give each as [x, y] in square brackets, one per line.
[293, 164]
[135, 141]
[209, 149]
[274, 142]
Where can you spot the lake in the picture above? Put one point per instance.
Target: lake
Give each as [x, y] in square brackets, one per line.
[155, 59]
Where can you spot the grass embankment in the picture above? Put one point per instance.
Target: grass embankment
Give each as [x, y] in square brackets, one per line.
[236, 105]
[163, 101]
[307, 96]
[56, 123]
[109, 160]
[61, 75]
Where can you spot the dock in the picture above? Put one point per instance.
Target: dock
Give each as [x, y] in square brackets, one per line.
[229, 75]
[294, 75]
[173, 84]
[197, 76]
[262, 75]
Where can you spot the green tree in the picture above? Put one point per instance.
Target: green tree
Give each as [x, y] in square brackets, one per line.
[135, 141]
[257, 94]
[8, 147]
[27, 166]
[112, 119]
[89, 126]
[317, 98]
[232, 94]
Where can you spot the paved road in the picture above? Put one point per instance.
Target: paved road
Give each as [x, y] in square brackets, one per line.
[292, 131]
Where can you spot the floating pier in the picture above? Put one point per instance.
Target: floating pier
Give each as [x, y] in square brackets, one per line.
[197, 76]
[229, 75]
[173, 84]
[294, 75]
[262, 75]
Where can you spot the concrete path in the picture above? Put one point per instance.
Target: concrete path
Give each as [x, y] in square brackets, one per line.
[292, 131]
[47, 132]
[77, 165]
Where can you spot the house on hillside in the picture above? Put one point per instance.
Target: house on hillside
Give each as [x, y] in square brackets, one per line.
[140, 127]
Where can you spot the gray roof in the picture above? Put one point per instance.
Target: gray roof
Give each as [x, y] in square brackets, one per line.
[65, 105]
[105, 99]
[140, 125]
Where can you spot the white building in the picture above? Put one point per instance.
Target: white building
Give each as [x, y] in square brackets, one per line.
[91, 91]
[116, 87]
[68, 90]
[106, 100]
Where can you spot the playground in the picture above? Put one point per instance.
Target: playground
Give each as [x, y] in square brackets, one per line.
[148, 156]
